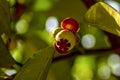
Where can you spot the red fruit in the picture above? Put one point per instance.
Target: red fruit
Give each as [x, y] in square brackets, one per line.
[64, 41]
[70, 24]
[60, 49]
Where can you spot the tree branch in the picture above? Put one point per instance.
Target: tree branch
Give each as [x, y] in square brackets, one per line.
[87, 52]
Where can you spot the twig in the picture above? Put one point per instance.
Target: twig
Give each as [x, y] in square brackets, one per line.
[87, 52]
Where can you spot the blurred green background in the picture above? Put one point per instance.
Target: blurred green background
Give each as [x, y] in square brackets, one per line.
[32, 22]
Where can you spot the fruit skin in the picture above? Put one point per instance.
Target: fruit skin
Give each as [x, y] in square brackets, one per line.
[70, 24]
[55, 31]
[59, 50]
[64, 41]
[77, 38]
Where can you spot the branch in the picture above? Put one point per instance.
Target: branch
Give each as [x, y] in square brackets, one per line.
[87, 52]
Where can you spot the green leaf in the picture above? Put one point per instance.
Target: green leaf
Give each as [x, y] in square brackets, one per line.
[36, 68]
[104, 17]
[4, 17]
[61, 70]
[6, 59]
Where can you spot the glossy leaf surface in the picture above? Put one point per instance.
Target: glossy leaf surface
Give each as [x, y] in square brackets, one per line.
[36, 68]
[104, 17]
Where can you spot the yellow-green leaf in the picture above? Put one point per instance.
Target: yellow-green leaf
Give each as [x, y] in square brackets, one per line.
[36, 68]
[104, 17]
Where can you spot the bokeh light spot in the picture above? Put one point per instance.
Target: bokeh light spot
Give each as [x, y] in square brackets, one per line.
[116, 70]
[88, 41]
[12, 2]
[51, 23]
[113, 59]
[22, 26]
[114, 4]
[104, 72]
[11, 72]
[114, 63]
[82, 69]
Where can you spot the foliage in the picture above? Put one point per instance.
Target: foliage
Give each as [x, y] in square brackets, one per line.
[38, 65]
[95, 17]
[26, 46]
